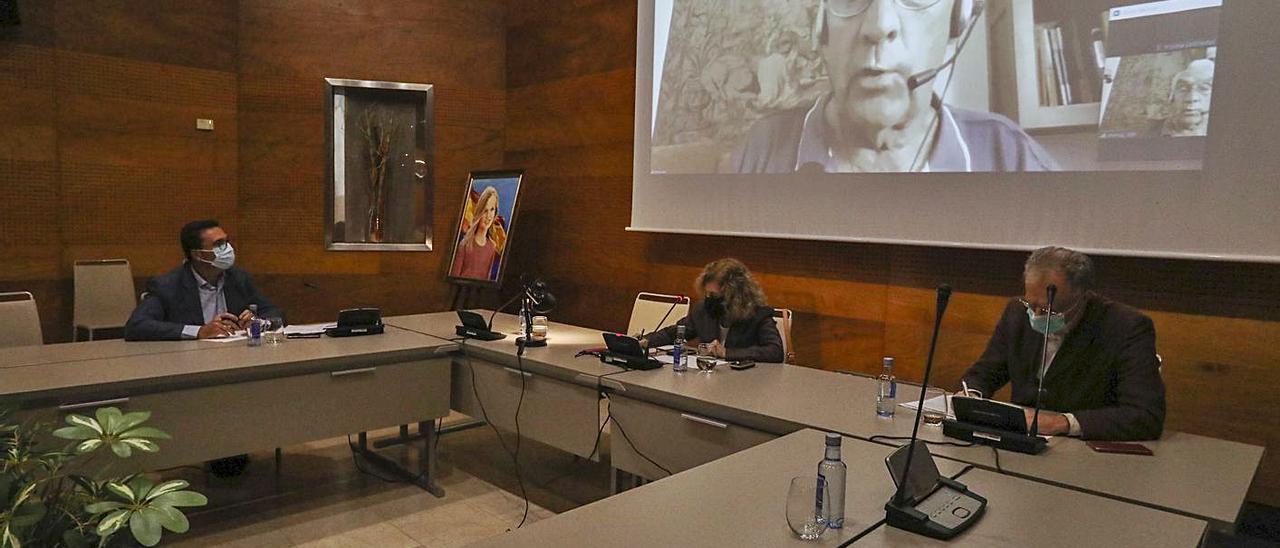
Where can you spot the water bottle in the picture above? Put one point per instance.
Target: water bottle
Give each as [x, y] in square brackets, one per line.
[677, 352]
[886, 396]
[255, 327]
[831, 473]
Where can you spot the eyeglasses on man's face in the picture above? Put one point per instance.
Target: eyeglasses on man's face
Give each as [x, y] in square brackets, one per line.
[850, 8]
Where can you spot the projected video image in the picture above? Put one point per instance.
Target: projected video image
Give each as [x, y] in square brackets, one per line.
[846, 86]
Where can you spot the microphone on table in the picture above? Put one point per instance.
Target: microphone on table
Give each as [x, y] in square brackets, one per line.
[925, 502]
[1051, 291]
[944, 296]
[679, 299]
[925, 76]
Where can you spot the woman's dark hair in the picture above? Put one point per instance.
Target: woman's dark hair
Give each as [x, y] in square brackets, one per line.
[742, 295]
[190, 235]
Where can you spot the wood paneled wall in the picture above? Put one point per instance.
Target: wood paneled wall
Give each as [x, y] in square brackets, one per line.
[99, 156]
[98, 121]
[286, 51]
[571, 77]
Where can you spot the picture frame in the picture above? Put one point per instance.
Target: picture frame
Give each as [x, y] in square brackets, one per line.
[481, 244]
[381, 165]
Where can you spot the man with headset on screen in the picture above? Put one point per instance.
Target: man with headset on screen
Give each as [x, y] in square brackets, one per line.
[879, 115]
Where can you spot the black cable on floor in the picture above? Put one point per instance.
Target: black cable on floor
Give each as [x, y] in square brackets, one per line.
[515, 462]
[516, 458]
[633, 445]
[594, 449]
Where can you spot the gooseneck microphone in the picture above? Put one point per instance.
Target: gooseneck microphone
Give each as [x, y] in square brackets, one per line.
[944, 295]
[679, 299]
[925, 76]
[1051, 291]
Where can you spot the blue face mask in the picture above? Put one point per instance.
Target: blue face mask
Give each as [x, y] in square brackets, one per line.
[1046, 324]
[224, 257]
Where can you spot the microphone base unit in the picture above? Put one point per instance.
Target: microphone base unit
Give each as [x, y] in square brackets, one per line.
[478, 334]
[629, 362]
[1000, 439]
[530, 343]
[945, 513]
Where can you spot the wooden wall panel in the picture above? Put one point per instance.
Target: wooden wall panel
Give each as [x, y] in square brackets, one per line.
[285, 52]
[570, 123]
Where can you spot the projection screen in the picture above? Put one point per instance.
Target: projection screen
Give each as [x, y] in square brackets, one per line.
[1004, 124]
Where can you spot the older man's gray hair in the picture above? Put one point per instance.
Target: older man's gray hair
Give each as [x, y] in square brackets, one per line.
[1074, 265]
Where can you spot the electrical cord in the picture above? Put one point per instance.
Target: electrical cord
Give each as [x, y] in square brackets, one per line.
[516, 458]
[623, 431]
[907, 438]
[996, 452]
[515, 461]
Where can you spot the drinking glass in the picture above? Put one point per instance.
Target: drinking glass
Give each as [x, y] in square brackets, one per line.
[706, 360]
[806, 495]
[539, 328]
[273, 330]
[934, 412]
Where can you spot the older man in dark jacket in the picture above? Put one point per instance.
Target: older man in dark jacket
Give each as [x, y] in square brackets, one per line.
[1103, 376]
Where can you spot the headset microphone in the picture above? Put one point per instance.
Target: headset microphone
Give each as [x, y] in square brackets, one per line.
[923, 77]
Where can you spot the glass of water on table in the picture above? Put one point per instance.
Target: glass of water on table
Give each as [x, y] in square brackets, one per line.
[936, 406]
[273, 330]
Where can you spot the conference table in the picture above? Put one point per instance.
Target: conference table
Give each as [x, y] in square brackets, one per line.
[220, 399]
[224, 398]
[682, 420]
[740, 500]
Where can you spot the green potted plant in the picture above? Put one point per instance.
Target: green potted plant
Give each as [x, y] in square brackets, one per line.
[43, 504]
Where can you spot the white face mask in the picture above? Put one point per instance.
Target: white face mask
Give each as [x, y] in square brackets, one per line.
[224, 257]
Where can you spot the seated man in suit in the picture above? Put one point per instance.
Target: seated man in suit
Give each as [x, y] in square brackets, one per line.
[1103, 377]
[733, 317]
[204, 297]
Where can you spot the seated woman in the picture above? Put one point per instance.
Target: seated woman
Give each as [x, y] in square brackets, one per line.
[733, 316]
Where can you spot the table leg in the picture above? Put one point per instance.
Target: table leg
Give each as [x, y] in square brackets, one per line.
[425, 478]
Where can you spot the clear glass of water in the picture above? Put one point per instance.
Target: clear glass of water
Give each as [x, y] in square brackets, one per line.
[706, 360]
[935, 411]
[273, 330]
[806, 495]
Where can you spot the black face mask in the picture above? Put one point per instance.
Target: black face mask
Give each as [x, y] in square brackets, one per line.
[714, 305]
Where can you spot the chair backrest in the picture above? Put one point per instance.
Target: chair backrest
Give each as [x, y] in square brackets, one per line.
[104, 293]
[19, 320]
[782, 317]
[650, 309]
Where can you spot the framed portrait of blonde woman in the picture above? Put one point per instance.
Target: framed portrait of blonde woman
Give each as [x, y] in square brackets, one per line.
[483, 239]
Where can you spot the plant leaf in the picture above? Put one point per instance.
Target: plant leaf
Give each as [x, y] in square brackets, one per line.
[85, 483]
[112, 522]
[173, 519]
[109, 418]
[27, 515]
[181, 498]
[120, 490]
[146, 446]
[141, 486]
[103, 507]
[167, 487]
[145, 526]
[10, 540]
[81, 420]
[130, 420]
[75, 433]
[121, 449]
[146, 432]
[89, 446]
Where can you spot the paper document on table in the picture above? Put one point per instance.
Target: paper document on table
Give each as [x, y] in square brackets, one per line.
[305, 329]
[933, 404]
[238, 336]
